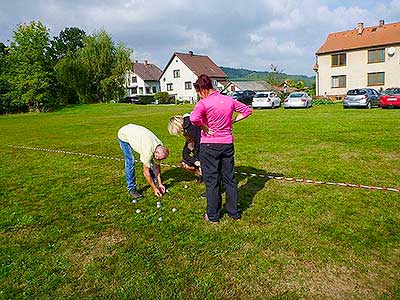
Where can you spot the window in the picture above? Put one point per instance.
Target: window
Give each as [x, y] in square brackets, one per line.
[338, 60]
[134, 91]
[148, 90]
[154, 89]
[376, 78]
[177, 73]
[375, 56]
[339, 81]
[140, 91]
[188, 85]
[169, 86]
[134, 79]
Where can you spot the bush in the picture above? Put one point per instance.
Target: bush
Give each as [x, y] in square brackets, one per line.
[162, 98]
[146, 99]
[323, 101]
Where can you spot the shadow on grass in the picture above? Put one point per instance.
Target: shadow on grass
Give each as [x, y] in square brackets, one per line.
[173, 176]
[248, 185]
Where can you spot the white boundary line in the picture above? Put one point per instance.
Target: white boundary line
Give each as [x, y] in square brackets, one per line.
[290, 179]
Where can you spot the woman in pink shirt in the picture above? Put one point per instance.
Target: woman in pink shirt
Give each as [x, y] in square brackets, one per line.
[214, 114]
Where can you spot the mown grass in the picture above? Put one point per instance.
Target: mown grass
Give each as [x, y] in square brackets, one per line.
[68, 229]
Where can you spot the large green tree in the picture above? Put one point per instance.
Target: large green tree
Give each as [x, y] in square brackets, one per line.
[97, 70]
[64, 46]
[66, 43]
[4, 82]
[30, 73]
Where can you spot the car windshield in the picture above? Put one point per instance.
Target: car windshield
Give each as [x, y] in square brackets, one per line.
[296, 95]
[261, 95]
[235, 94]
[356, 92]
[395, 91]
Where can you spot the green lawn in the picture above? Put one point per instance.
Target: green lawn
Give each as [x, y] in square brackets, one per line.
[69, 230]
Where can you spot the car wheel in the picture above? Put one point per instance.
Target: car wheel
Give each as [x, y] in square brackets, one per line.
[345, 107]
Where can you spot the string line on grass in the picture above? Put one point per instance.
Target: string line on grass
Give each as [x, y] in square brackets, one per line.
[282, 178]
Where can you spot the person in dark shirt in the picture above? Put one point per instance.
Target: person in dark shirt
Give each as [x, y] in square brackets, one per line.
[181, 125]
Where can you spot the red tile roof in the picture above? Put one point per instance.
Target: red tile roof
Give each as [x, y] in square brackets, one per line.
[147, 71]
[387, 34]
[199, 64]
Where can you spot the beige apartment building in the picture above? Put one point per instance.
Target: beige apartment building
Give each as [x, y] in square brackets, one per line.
[359, 58]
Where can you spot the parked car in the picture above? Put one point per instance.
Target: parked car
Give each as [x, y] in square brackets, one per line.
[245, 97]
[266, 99]
[132, 100]
[390, 98]
[366, 98]
[298, 99]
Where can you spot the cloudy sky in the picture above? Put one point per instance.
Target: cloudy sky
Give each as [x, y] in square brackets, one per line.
[250, 34]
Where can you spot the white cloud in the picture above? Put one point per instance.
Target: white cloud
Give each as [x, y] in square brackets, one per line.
[248, 34]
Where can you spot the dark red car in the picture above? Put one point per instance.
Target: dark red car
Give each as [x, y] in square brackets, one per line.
[390, 98]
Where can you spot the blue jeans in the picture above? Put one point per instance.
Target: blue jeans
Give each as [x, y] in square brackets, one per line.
[130, 166]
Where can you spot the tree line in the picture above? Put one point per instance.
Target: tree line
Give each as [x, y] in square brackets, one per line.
[39, 73]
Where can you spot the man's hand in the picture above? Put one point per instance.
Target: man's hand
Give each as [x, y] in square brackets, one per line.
[161, 188]
[157, 192]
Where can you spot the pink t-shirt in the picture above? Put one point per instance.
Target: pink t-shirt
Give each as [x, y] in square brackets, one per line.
[216, 112]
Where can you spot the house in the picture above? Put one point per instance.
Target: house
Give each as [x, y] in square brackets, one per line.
[144, 79]
[234, 86]
[358, 58]
[182, 71]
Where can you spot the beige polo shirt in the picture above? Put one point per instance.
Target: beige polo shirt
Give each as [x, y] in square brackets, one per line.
[142, 141]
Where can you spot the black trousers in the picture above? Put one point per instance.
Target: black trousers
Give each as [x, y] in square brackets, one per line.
[217, 162]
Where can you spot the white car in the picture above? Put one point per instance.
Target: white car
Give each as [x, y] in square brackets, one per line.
[298, 99]
[265, 100]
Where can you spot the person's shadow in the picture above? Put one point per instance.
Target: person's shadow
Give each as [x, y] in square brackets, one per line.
[174, 175]
[250, 181]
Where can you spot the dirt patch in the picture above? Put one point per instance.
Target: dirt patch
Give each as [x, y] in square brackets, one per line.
[100, 246]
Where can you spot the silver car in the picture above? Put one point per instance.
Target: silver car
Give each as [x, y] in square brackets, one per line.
[298, 100]
[366, 98]
[266, 100]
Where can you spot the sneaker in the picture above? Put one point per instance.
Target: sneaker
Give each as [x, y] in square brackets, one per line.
[208, 220]
[135, 194]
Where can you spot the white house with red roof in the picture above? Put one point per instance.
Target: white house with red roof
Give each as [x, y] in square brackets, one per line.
[359, 58]
[183, 69]
[144, 79]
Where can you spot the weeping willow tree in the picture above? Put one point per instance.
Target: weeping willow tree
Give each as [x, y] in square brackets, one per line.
[96, 72]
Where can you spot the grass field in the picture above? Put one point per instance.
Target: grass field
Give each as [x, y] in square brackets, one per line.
[69, 230]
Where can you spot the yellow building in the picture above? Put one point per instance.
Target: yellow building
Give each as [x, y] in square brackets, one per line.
[359, 58]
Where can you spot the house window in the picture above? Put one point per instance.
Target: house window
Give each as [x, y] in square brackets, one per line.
[338, 60]
[339, 81]
[134, 91]
[375, 56]
[177, 73]
[376, 78]
[134, 79]
[140, 91]
[169, 86]
[148, 90]
[154, 89]
[188, 85]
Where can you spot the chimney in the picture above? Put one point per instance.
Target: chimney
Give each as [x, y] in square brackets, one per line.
[191, 53]
[381, 23]
[146, 62]
[360, 27]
